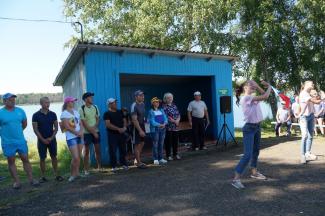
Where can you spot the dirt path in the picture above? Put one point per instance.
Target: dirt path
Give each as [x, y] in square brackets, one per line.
[197, 185]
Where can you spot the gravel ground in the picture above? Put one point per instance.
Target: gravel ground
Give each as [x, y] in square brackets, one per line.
[199, 184]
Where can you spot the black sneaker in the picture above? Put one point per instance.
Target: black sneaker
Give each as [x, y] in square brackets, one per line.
[34, 183]
[43, 180]
[16, 186]
[141, 166]
[59, 178]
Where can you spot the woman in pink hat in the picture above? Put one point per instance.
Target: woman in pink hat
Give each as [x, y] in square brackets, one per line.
[74, 134]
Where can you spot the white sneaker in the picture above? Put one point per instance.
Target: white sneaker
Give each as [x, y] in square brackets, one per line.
[156, 162]
[178, 157]
[86, 173]
[162, 161]
[71, 179]
[309, 156]
[258, 176]
[114, 169]
[170, 158]
[237, 184]
[303, 159]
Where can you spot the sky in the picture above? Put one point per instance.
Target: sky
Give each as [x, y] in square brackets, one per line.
[32, 53]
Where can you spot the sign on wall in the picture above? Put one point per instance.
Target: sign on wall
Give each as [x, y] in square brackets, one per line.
[223, 91]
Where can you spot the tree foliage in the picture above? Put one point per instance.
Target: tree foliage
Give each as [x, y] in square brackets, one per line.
[278, 40]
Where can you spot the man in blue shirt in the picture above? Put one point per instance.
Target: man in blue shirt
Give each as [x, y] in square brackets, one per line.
[12, 123]
[45, 125]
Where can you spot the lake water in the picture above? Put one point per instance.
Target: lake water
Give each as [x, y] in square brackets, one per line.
[56, 107]
[30, 110]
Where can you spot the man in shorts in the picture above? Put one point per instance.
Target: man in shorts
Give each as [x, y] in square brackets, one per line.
[45, 125]
[139, 131]
[89, 115]
[12, 123]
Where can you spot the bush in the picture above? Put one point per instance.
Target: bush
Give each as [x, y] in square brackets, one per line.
[266, 125]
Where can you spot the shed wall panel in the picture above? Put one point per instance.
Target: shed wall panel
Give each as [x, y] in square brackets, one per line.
[103, 71]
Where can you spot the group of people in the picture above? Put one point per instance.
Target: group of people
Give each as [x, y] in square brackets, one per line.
[305, 111]
[288, 115]
[81, 128]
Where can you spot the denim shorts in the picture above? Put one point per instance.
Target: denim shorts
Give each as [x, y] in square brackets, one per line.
[75, 141]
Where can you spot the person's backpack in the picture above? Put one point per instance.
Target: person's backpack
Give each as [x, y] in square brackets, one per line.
[83, 110]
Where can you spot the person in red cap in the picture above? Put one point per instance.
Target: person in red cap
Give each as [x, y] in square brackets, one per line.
[73, 129]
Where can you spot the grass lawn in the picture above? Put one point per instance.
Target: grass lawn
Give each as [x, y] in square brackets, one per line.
[63, 157]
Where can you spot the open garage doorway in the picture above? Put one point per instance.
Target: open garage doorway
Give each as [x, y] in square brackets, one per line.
[182, 87]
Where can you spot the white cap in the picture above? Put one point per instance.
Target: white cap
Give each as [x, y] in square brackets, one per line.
[197, 93]
[111, 100]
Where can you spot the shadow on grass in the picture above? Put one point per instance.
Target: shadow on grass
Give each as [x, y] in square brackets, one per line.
[63, 166]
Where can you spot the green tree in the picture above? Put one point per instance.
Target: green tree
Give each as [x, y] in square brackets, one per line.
[183, 24]
[281, 41]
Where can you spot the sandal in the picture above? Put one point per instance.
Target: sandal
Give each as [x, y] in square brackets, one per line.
[16, 186]
[59, 178]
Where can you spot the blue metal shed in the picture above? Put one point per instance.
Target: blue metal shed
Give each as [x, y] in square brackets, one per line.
[117, 71]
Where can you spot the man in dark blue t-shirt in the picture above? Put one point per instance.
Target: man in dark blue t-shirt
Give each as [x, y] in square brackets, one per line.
[45, 125]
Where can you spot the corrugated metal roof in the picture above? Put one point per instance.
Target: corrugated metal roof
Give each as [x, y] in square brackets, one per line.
[81, 47]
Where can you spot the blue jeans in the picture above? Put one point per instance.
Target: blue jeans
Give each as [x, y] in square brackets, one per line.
[251, 140]
[158, 138]
[307, 124]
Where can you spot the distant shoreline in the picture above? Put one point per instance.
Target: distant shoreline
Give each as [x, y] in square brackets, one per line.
[27, 104]
[34, 98]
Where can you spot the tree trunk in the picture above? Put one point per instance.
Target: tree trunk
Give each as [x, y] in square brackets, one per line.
[273, 101]
[268, 77]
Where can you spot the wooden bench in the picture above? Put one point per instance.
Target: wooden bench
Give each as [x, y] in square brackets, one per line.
[297, 124]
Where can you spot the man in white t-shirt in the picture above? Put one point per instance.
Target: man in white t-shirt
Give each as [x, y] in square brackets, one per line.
[283, 116]
[197, 112]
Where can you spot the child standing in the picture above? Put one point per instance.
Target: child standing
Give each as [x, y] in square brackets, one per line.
[251, 130]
